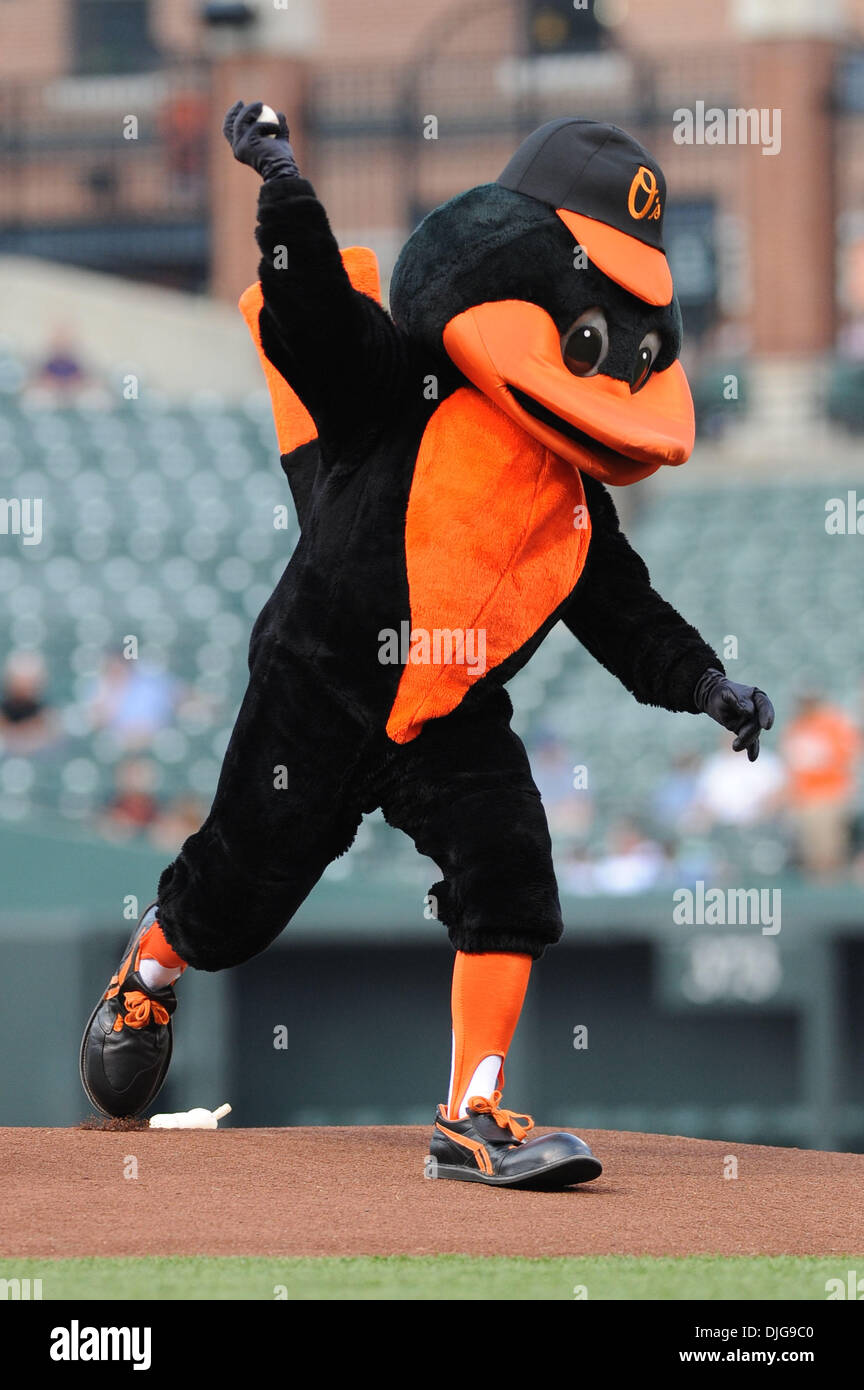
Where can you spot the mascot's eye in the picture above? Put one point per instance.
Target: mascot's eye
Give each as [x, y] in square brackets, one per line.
[586, 343]
[645, 359]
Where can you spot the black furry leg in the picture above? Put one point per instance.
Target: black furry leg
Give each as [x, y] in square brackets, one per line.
[282, 812]
[463, 791]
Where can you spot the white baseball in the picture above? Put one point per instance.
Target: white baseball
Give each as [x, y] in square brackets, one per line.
[268, 116]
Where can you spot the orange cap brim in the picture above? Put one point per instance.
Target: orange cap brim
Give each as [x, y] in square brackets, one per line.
[641, 269]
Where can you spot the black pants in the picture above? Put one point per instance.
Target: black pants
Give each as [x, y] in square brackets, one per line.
[290, 798]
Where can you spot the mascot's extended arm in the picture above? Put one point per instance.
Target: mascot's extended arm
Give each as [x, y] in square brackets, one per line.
[660, 658]
[338, 348]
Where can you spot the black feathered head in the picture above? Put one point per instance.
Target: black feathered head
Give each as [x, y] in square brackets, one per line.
[550, 291]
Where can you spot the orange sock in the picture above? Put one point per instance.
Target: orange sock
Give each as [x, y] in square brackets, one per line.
[155, 947]
[486, 1001]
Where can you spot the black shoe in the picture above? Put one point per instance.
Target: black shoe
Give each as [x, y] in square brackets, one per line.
[127, 1043]
[491, 1146]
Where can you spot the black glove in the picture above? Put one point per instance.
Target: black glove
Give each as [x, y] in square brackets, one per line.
[265, 147]
[743, 709]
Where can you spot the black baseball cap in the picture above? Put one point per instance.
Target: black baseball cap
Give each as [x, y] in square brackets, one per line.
[610, 193]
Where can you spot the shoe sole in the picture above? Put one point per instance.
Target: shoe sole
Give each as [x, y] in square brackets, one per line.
[557, 1175]
[89, 1094]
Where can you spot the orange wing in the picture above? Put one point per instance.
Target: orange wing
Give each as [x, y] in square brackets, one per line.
[294, 424]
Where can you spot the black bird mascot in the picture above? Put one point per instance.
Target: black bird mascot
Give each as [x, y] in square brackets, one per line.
[449, 466]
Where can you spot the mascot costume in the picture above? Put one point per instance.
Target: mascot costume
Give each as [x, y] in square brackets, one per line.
[449, 464]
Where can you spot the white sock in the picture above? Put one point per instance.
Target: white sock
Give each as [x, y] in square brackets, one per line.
[156, 976]
[482, 1083]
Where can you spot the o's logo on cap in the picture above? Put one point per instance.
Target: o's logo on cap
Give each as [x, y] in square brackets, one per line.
[644, 181]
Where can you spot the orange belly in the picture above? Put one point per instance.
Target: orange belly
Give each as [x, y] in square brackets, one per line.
[496, 535]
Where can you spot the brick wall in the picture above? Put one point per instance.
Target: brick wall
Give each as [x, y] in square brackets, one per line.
[356, 72]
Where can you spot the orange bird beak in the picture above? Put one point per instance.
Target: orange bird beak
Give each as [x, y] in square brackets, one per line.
[594, 422]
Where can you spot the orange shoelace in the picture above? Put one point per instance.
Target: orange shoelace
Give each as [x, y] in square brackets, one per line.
[518, 1125]
[141, 1008]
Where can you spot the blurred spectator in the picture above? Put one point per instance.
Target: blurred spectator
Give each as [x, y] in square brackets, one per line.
[821, 747]
[181, 819]
[26, 721]
[61, 377]
[569, 808]
[730, 790]
[133, 806]
[675, 795]
[632, 863]
[576, 872]
[133, 700]
[185, 122]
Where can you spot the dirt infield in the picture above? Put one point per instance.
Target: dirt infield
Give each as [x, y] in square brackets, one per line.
[344, 1191]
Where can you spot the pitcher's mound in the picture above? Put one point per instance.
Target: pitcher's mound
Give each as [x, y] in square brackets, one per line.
[351, 1191]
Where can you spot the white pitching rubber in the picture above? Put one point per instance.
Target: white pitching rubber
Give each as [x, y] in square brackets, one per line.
[191, 1119]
